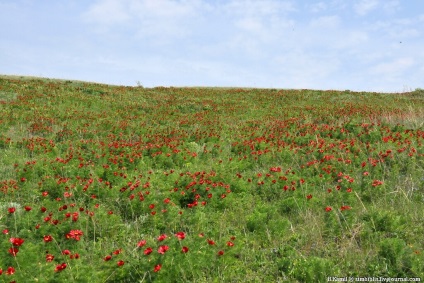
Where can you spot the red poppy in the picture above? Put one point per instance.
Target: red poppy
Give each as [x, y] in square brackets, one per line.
[28, 208]
[117, 252]
[163, 249]
[148, 251]
[48, 238]
[107, 258]
[230, 244]
[120, 263]
[141, 243]
[10, 270]
[184, 250]
[221, 253]
[328, 209]
[13, 251]
[162, 237]
[16, 241]
[309, 196]
[49, 257]
[5, 231]
[157, 268]
[60, 267]
[180, 235]
[12, 210]
[211, 242]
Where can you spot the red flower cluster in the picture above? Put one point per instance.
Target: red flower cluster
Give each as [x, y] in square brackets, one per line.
[74, 234]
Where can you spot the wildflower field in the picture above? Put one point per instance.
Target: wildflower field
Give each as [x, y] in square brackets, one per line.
[103, 183]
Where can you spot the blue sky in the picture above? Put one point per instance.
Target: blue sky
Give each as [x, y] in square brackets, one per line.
[370, 45]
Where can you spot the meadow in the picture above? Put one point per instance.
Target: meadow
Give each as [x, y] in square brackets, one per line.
[102, 183]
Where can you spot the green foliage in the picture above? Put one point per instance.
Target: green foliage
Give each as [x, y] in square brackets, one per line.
[131, 184]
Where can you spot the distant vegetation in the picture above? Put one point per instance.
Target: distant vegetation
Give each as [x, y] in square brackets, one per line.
[105, 183]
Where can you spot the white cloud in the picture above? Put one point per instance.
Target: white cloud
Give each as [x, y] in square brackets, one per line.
[325, 22]
[394, 67]
[363, 7]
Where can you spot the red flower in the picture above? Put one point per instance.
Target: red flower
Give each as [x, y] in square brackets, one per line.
[180, 235]
[5, 231]
[148, 251]
[12, 210]
[28, 208]
[16, 241]
[345, 207]
[328, 209]
[221, 253]
[120, 263]
[117, 252]
[163, 249]
[107, 258]
[230, 244]
[66, 252]
[13, 251]
[49, 257]
[141, 243]
[48, 238]
[157, 268]
[60, 267]
[10, 271]
[309, 196]
[74, 234]
[211, 242]
[162, 237]
[184, 250]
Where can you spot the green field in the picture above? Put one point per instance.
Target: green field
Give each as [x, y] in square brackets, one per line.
[102, 183]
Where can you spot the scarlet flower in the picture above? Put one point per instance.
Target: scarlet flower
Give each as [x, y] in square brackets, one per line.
[162, 237]
[148, 251]
[117, 252]
[10, 270]
[157, 268]
[120, 263]
[5, 231]
[180, 235]
[163, 249]
[74, 234]
[49, 257]
[48, 238]
[13, 251]
[211, 242]
[221, 253]
[328, 209]
[16, 241]
[60, 267]
[230, 244]
[66, 252]
[12, 210]
[28, 208]
[345, 207]
[309, 196]
[107, 258]
[184, 249]
[141, 243]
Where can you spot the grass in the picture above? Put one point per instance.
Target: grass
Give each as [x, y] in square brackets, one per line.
[247, 185]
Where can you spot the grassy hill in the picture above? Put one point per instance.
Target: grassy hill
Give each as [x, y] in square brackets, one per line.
[102, 183]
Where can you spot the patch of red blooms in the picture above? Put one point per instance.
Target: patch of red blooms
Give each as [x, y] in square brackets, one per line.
[60, 267]
[211, 242]
[221, 253]
[75, 234]
[180, 235]
[49, 257]
[17, 242]
[328, 209]
[157, 267]
[163, 249]
[107, 258]
[148, 251]
[141, 243]
[10, 270]
[162, 237]
[13, 251]
[345, 207]
[11, 210]
[184, 249]
[47, 238]
[120, 263]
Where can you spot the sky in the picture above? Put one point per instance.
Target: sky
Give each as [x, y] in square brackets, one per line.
[358, 45]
